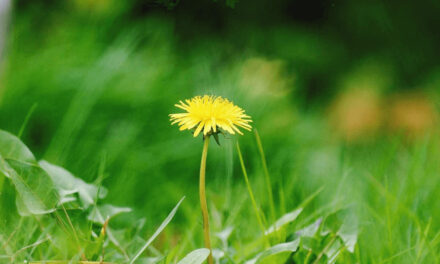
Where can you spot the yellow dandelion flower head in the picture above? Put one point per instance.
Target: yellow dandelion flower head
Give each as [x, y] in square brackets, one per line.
[210, 113]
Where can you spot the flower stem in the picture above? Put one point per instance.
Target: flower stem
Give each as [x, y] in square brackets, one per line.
[203, 199]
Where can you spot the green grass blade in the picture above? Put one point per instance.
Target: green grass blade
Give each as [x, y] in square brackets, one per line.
[251, 193]
[158, 231]
[266, 175]
[26, 120]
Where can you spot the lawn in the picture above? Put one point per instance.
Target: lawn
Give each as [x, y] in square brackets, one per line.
[342, 164]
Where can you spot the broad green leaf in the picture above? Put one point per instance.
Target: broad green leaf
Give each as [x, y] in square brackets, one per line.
[285, 219]
[99, 214]
[35, 190]
[11, 147]
[313, 244]
[158, 231]
[68, 262]
[333, 251]
[218, 254]
[349, 232]
[150, 260]
[279, 248]
[195, 257]
[280, 258]
[67, 184]
[310, 230]
[224, 235]
[349, 240]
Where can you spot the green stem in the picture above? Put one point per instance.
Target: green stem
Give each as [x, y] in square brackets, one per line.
[203, 204]
[251, 194]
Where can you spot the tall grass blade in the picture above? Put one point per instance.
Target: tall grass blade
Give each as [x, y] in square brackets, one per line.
[95, 83]
[26, 120]
[266, 175]
[158, 231]
[251, 193]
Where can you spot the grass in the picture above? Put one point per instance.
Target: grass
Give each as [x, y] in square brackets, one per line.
[375, 199]
[101, 113]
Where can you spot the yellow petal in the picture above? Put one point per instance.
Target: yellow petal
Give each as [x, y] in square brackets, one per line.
[199, 128]
[207, 127]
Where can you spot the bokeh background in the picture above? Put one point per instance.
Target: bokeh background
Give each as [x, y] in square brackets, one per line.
[325, 82]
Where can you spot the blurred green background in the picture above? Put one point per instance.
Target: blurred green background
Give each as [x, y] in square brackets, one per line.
[335, 89]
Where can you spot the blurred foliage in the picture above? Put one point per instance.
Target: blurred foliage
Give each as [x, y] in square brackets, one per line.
[344, 94]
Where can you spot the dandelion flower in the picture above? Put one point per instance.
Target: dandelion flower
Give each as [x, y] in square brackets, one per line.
[210, 114]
